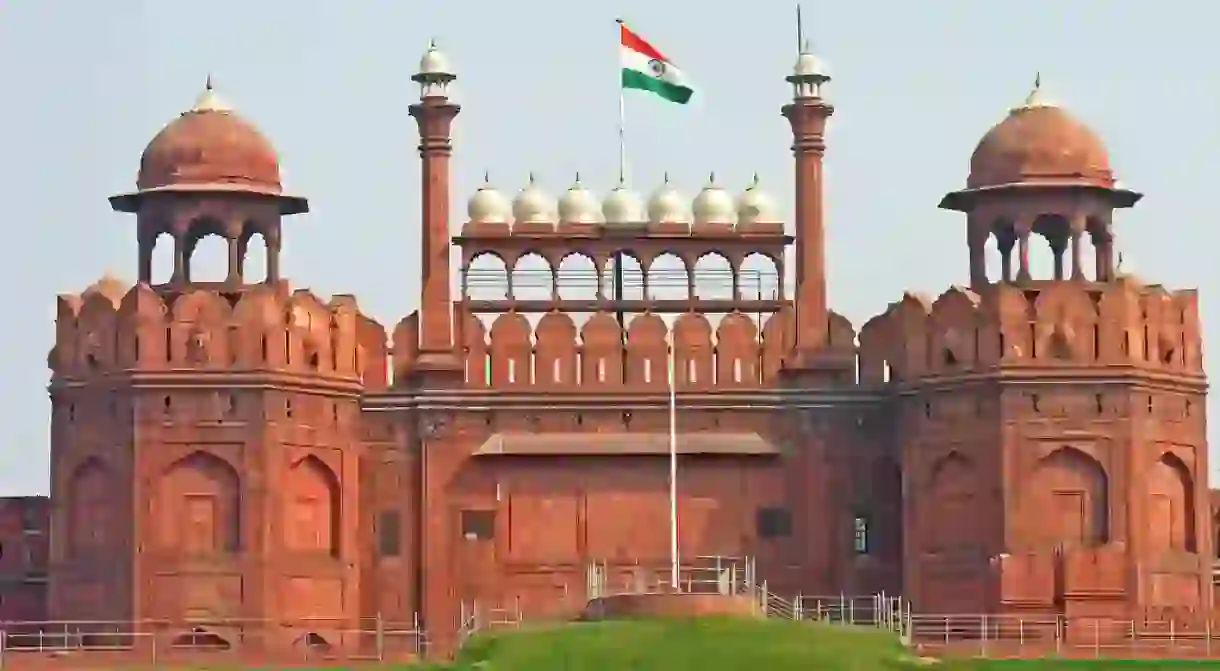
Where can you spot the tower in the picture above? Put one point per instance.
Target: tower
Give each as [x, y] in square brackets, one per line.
[434, 114]
[204, 444]
[808, 113]
[1057, 421]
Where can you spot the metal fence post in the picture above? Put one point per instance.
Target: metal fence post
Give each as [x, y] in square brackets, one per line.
[380, 638]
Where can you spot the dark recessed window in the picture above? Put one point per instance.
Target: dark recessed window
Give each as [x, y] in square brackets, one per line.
[774, 523]
[860, 535]
[478, 525]
[389, 533]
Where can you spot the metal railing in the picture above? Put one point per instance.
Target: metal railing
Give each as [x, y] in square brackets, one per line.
[216, 640]
[1007, 636]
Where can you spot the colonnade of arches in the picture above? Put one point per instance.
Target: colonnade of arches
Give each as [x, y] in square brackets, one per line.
[577, 277]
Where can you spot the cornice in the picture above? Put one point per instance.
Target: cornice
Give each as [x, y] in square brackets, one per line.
[226, 380]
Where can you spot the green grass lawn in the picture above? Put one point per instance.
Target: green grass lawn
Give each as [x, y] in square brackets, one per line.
[711, 644]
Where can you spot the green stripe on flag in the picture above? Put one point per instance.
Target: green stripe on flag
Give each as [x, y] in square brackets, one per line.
[634, 79]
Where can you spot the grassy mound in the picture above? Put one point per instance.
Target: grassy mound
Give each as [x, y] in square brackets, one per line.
[724, 644]
[706, 644]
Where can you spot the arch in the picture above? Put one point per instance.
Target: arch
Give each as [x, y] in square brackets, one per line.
[1068, 501]
[199, 506]
[485, 278]
[951, 492]
[160, 259]
[91, 489]
[199, 638]
[632, 277]
[759, 277]
[206, 251]
[533, 278]
[576, 278]
[314, 641]
[668, 278]
[713, 278]
[253, 253]
[1171, 509]
[312, 507]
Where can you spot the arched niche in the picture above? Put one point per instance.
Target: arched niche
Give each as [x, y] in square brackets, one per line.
[1067, 501]
[90, 506]
[950, 494]
[1171, 506]
[199, 506]
[311, 506]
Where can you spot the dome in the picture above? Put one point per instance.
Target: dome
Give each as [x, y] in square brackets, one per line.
[1040, 142]
[489, 206]
[808, 65]
[209, 148]
[755, 206]
[623, 206]
[579, 206]
[435, 62]
[714, 205]
[668, 206]
[533, 206]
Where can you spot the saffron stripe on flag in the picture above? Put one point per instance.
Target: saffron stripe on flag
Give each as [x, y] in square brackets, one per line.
[637, 43]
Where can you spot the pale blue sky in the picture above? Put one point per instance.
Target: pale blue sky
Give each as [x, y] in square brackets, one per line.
[86, 84]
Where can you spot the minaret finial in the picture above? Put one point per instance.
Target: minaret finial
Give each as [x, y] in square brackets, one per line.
[486, 177]
[754, 181]
[577, 178]
[667, 177]
[532, 180]
[1037, 80]
[208, 100]
[1119, 268]
[711, 178]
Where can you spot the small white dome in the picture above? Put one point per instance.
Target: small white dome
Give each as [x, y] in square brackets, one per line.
[623, 206]
[533, 206]
[668, 206]
[755, 206]
[489, 206]
[713, 205]
[435, 62]
[808, 65]
[579, 205]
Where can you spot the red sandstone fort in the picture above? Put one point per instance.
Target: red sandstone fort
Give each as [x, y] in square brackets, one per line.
[242, 451]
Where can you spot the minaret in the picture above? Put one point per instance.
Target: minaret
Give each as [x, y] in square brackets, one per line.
[808, 113]
[434, 113]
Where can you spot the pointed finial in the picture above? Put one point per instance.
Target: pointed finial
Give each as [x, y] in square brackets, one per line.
[577, 182]
[754, 180]
[1036, 98]
[666, 177]
[1120, 262]
[486, 177]
[711, 178]
[208, 100]
[532, 180]
[432, 44]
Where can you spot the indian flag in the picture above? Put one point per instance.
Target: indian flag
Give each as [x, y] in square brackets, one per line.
[646, 69]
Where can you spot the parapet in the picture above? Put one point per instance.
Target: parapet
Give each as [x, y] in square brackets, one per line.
[112, 327]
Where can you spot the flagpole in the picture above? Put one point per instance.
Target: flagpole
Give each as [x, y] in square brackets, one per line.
[673, 464]
[622, 180]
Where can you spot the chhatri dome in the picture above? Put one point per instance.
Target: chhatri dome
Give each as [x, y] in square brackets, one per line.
[1040, 142]
[209, 148]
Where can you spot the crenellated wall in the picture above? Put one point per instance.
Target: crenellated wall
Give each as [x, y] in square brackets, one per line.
[229, 424]
[1061, 424]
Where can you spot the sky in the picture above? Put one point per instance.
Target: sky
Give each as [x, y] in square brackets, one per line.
[85, 85]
